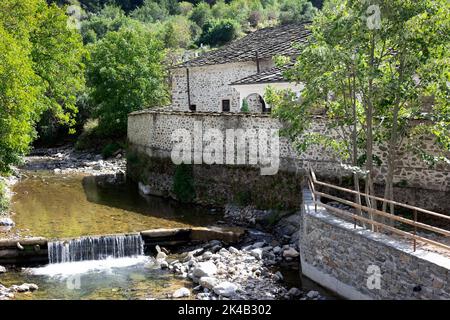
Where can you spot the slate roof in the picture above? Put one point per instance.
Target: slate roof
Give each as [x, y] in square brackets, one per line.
[267, 76]
[268, 42]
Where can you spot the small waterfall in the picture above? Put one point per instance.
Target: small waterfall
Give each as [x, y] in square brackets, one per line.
[95, 248]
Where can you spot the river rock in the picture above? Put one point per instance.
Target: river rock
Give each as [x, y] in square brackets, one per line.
[24, 287]
[278, 276]
[226, 289]
[312, 294]
[161, 256]
[207, 255]
[257, 253]
[290, 253]
[233, 250]
[2, 269]
[6, 222]
[181, 293]
[208, 282]
[164, 265]
[294, 292]
[205, 269]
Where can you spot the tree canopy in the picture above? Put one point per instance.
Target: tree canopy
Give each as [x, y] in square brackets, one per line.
[125, 74]
[41, 70]
[369, 69]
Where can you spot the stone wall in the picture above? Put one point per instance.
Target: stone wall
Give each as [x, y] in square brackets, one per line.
[345, 260]
[215, 185]
[152, 130]
[209, 86]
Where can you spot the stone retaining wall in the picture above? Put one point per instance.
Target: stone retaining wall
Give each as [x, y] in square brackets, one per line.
[150, 131]
[348, 261]
[215, 185]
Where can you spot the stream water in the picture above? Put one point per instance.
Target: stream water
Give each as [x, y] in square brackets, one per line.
[72, 206]
[64, 206]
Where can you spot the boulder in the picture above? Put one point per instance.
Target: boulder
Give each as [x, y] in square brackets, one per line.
[2, 269]
[205, 269]
[208, 282]
[312, 294]
[226, 289]
[257, 253]
[6, 222]
[233, 250]
[290, 253]
[181, 293]
[294, 292]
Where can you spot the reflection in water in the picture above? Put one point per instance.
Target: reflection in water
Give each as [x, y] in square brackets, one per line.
[58, 206]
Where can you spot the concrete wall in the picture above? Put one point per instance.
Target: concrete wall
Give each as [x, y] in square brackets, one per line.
[344, 259]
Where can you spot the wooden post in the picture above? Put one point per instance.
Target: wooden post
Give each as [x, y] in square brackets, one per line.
[415, 228]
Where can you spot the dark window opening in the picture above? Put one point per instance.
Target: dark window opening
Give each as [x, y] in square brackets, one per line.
[263, 104]
[226, 105]
[193, 107]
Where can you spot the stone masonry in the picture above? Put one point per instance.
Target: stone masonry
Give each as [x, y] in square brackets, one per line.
[348, 260]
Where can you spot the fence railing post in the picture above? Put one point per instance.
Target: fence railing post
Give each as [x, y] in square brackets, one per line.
[415, 229]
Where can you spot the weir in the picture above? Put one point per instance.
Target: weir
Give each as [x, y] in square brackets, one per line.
[95, 248]
[40, 251]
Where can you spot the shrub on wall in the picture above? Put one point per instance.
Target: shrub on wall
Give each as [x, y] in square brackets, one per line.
[245, 107]
[183, 183]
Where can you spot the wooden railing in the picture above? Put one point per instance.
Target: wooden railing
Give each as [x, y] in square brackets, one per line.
[378, 225]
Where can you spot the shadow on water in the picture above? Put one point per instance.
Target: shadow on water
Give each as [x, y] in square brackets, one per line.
[58, 206]
[126, 196]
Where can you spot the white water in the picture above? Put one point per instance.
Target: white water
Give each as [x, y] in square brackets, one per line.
[67, 269]
[95, 248]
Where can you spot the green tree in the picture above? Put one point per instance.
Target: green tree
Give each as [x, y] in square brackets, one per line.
[371, 67]
[201, 14]
[177, 32]
[18, 99]
[110, 18]
[40, 71]
[57, 54]
[125, 74]
[150, 11]
[293, 11]
[219, 32]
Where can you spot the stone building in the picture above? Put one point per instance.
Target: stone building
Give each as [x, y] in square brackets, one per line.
[220, 80]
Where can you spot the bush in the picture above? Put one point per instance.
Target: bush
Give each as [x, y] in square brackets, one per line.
[245, 107]
[109, 150]
[183, 183]
[219, 32]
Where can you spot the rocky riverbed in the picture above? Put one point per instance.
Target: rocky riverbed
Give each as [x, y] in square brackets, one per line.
[67, 160]
[245, 273]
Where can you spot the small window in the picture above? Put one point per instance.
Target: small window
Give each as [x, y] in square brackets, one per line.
[226, 105]
[193, 107]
